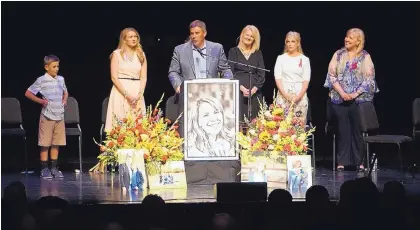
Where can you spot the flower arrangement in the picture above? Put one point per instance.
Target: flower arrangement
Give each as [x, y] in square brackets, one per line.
[276, 132]
[153, 133]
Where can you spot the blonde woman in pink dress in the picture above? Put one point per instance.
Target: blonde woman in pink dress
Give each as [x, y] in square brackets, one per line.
[129, 77]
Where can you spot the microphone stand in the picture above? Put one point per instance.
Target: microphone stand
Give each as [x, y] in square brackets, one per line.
[250, 68]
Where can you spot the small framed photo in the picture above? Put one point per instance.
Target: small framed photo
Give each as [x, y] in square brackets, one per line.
[299, 173]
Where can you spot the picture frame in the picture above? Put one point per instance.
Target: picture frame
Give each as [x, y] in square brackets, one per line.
[211, 119]
[299, 173]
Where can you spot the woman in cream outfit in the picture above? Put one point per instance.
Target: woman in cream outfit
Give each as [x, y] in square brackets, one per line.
[129, 77]
[292, 73]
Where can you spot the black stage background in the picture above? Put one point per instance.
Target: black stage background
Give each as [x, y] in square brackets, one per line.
[83, 35]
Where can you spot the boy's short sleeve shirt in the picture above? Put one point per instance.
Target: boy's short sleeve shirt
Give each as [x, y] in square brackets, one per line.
[52, 89]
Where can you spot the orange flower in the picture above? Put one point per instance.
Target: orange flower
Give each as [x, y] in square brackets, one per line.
[277, 118]
[291, 131]
[146, 156]
[168, 121]
[124, 120]
[103, 148]
[111, 144]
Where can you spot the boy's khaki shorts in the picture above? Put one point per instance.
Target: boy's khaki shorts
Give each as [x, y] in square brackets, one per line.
[51, 132]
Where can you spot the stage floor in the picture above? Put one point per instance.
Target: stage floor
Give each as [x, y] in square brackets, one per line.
[105, 189]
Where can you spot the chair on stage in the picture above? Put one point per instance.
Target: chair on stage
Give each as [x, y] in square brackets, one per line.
[416, 118]
[331, 129]
[369, 124]
[11, 116]
[72, 118]
[310, 126]
[103, 118]
[171, 108]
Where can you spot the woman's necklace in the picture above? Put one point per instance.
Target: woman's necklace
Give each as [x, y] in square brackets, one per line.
[129, 57]
[246, 53]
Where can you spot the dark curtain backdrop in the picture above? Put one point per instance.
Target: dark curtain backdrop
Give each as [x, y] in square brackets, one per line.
[83, 35]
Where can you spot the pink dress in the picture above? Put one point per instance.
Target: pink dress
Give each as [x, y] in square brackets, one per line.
[118, 105]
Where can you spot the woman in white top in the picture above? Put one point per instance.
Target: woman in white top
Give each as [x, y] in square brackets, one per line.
[292, 73]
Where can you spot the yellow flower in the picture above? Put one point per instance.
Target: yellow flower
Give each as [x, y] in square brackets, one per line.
[278, 111]
[264, 136]
[271, 124]
[302, 137]
[278, 147]
[283, 126]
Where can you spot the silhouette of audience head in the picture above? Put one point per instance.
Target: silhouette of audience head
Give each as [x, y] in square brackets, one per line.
[15, 193]
[113, 226]
[155, 209]
[317, 195]
[394, 189]
[280, 197]
[49, 208]
[223, 221]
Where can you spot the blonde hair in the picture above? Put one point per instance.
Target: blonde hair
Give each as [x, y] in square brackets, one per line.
[255, 34]
[296, 36]
[124, 48]
[198, 136]
[360, 37]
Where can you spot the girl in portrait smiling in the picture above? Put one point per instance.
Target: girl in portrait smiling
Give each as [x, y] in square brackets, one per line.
[208, 134]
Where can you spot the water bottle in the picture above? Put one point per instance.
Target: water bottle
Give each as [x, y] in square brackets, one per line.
[375, 164]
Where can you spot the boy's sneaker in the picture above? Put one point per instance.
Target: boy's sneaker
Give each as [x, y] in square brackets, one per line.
[46, 174]
[56, 173]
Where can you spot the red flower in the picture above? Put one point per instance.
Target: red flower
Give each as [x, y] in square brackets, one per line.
[155, 112]
[305, 148]
[291, 131]
[287, 148]
[111, 144]
[103, 148]
[272, 132]
[175, 127]
[146, 156]
[297, 143]
[277, 118]
[354, 65]
[168, 121]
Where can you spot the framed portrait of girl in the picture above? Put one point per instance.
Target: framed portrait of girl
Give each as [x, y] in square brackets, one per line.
[211, 118]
